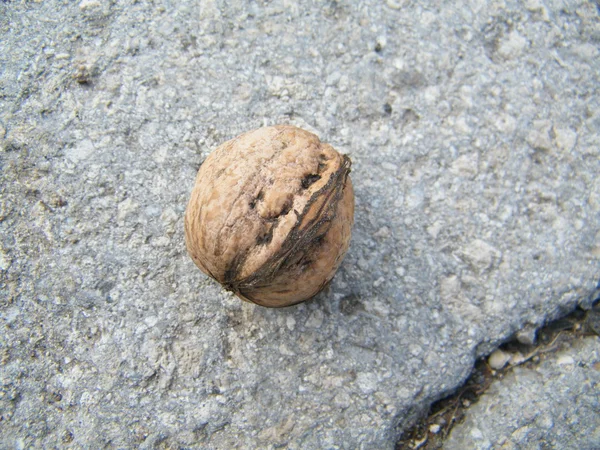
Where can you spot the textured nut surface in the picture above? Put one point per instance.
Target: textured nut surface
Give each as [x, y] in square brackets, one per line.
[270, 215]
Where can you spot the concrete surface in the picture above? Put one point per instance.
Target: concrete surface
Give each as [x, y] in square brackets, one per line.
[473, 128]
[553, 405]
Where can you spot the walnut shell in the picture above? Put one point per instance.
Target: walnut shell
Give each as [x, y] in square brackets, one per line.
[270, 215]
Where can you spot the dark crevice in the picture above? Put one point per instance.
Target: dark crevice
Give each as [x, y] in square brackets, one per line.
[444, 414]
[301, 234]
[319, 240]
[286, 207]
[265, 238]
[258, 198]
[305, 263]
[308, 180]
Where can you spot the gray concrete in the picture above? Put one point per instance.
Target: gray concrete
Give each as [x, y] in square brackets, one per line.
[473, 128]
[553, 405]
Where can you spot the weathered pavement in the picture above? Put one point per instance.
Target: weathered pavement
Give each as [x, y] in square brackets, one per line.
[473, 130]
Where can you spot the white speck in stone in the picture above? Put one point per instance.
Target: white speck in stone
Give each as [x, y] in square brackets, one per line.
[343, 83]
[161, 241]
[125, 208]
[81, 151]
[415, 197]
[431, 94]
[333, 78]
[160, 155]
[389, 166]
[367, 382]
[565, 138]
[505, 123]
[342, 400]
[290, 323]
[434, 229]
[284, 350]
[395, 4]
[151, 321]
[415, 349]
[5, 261]
[480, 255]
[587, 51]
[545, 421]
[565, 360]
[383, 232]
[465, 165]
[462, 126]
[89, 4]
[315, 320]
[539, 136]
[476, 434]
[512, 46]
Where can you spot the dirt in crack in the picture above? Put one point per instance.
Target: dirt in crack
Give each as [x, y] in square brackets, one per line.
[431, 431]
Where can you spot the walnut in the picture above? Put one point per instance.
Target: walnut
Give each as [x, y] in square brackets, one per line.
[270, 215]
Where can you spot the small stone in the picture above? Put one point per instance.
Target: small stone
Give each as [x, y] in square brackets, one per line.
[516, 359]
[512, 46]
[435, 428]
[505, 123]
[498, 359]
[527, 335]
[539, 137]
[465, 165]
[434, 229]
[315, 320]
[290, 323]
[565, 360]
[565, 138]
[367, 382]
[125, 208]
[586, 51]
[5, 261]
[395, 4]
[81, 151]
[161, 241]
[378, 282]
[89, 4]
[476, 434]
[342, 400]
[480, 255]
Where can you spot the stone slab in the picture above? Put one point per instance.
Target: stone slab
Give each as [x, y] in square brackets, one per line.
[473, 128]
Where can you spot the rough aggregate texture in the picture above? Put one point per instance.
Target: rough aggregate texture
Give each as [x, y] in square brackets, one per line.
[553, 405]
[473, 131]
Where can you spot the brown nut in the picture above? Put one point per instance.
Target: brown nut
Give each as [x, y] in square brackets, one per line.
[270, 215]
